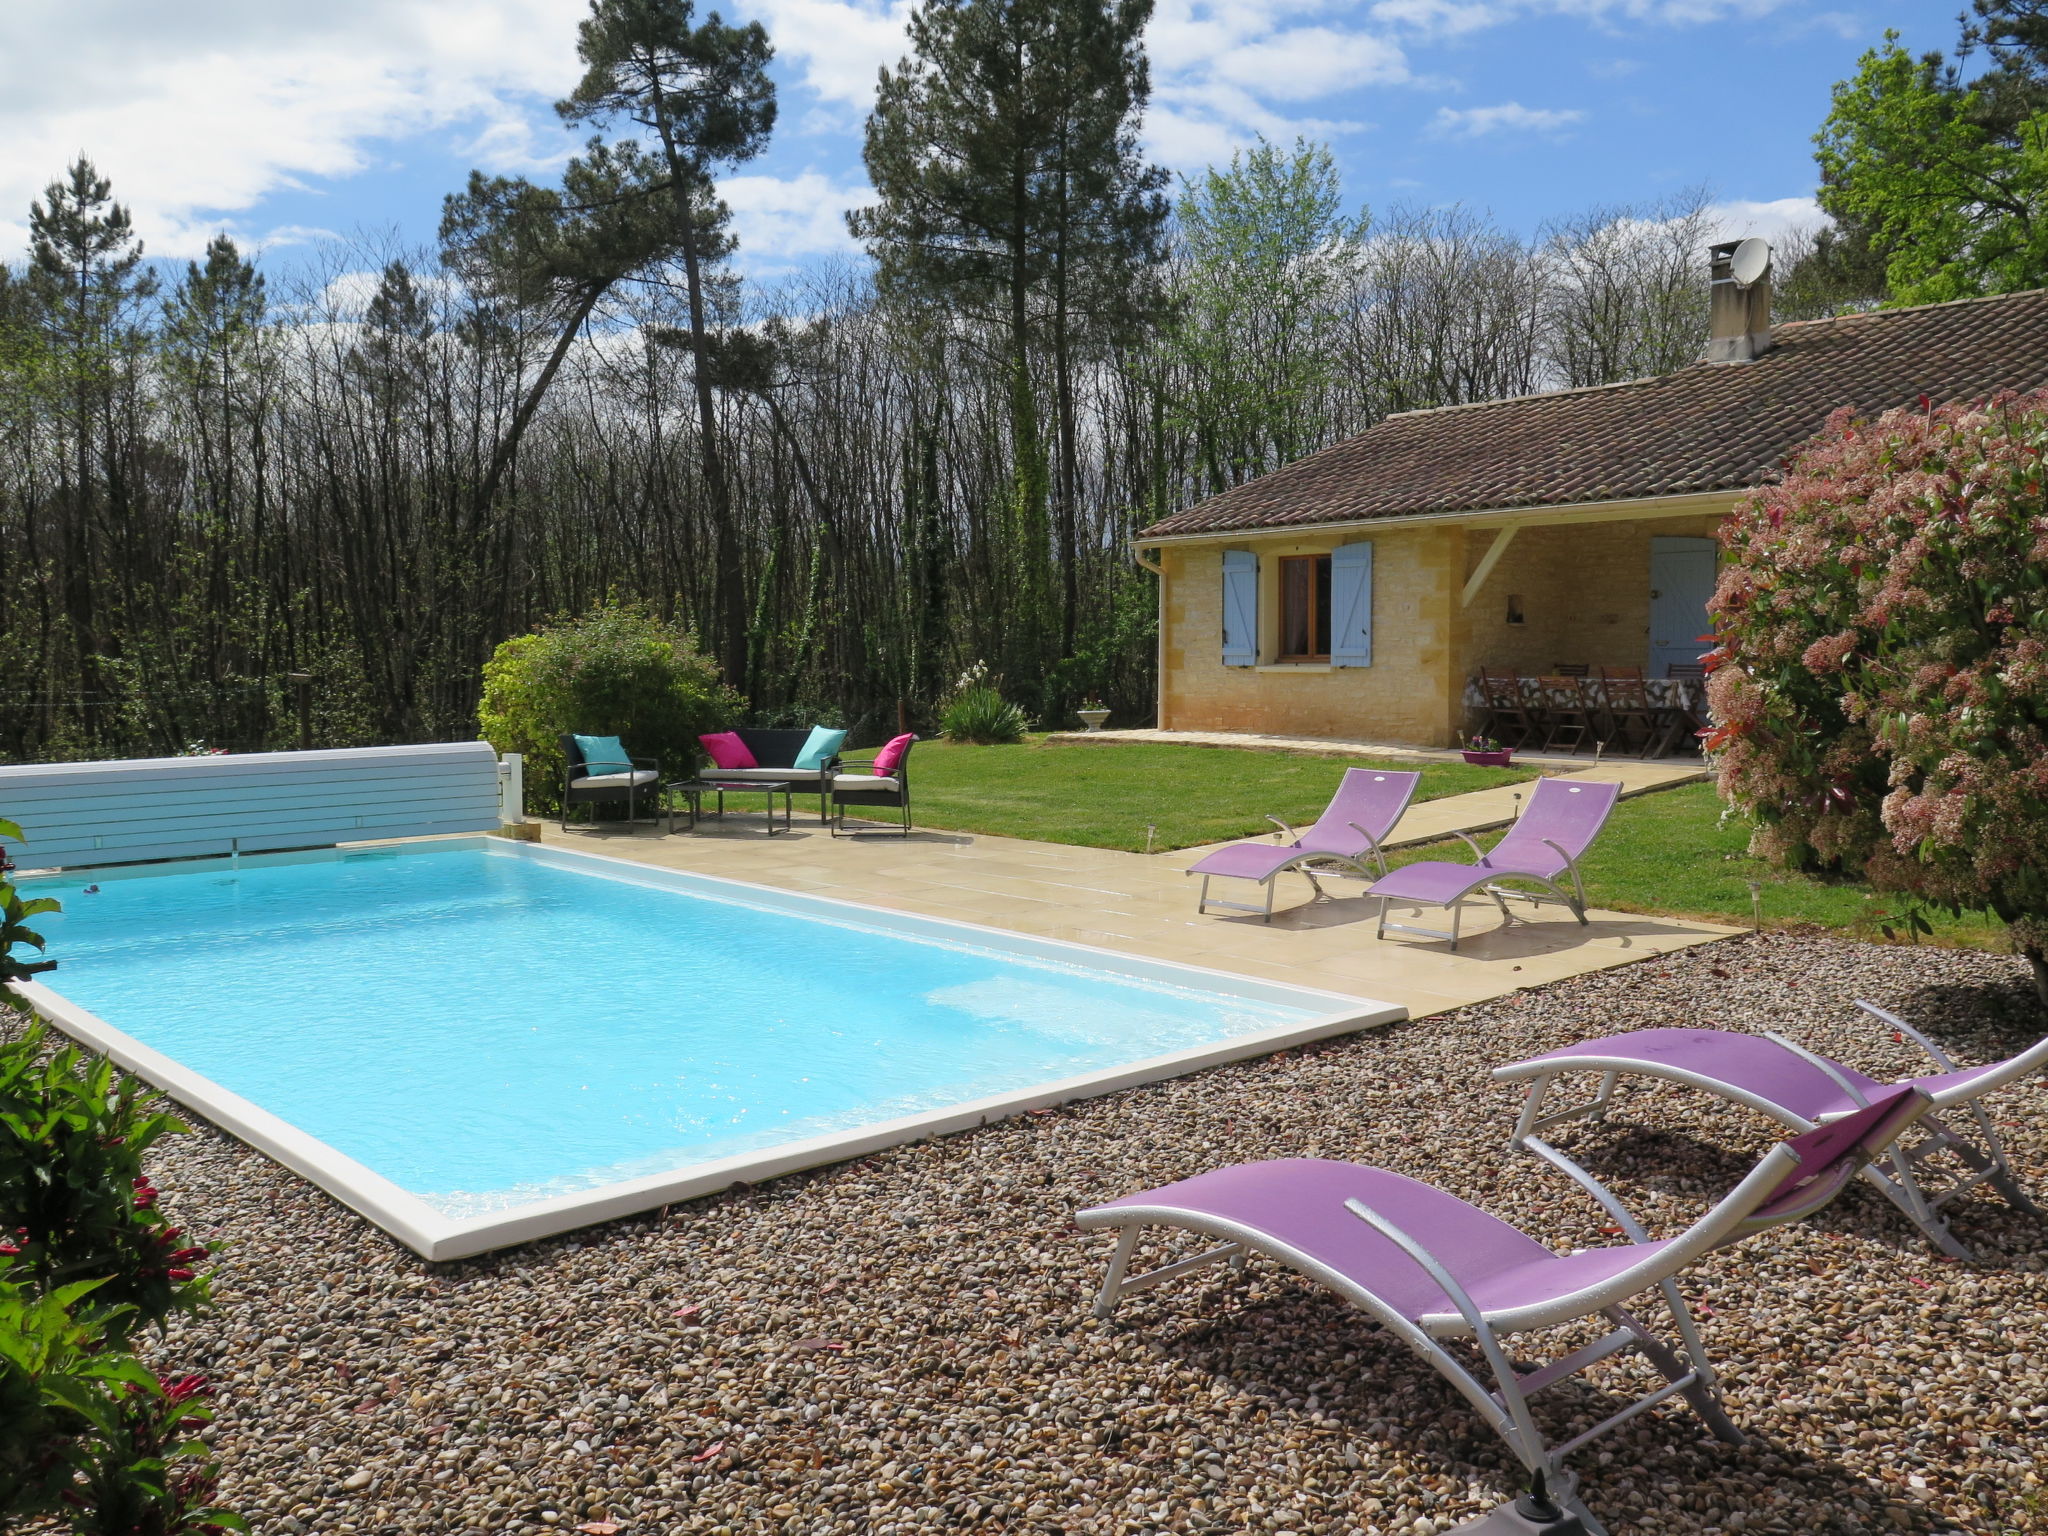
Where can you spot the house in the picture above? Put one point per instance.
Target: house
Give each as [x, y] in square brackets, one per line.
[1356, 592]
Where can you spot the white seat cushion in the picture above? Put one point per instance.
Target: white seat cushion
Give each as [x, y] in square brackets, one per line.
[767, 775]
[851, 781]
[615, 780]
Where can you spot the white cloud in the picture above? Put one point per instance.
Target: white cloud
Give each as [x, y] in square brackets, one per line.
[1773, 219]
[783, 219]
[1441, 18]
[298, 234]
[1510, 117]
[199, 110]
[1308, 63]
[840, 44]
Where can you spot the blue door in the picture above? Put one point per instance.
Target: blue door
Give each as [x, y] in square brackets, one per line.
[1681, 581]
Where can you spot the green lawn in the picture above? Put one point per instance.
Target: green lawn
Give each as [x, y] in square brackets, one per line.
[1670, 853]
[1103, 796]
[1663, 853]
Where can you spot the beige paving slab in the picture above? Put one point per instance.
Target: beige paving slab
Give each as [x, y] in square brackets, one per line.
[1145, 905]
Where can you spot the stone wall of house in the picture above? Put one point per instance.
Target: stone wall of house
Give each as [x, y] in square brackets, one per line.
[1407, 695]
[1583, 593]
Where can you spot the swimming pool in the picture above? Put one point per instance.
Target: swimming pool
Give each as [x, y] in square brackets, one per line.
[478, 1042]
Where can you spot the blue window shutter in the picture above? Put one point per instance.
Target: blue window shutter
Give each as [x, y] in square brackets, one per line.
[1240, 608]
[1351, 606]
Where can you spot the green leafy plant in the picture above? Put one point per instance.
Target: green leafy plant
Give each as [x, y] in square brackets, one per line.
[1881, 683]
[14, 930]
[50, 1360]
[619, 671]
[74, 1200]
[142, 1471]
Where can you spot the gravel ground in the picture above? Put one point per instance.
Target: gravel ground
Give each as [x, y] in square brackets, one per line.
[903, 1344]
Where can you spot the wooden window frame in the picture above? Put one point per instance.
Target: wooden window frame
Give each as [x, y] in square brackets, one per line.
[1318, 622]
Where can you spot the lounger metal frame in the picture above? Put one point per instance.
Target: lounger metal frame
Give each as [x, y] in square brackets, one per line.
[1504, 1404]
[1486, 880]
[1350, 869]
[1898, 1178]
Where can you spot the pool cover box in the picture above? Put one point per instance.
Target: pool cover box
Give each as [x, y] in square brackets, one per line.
[565, 1097]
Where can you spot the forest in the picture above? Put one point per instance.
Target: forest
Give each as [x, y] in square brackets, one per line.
[851, 484]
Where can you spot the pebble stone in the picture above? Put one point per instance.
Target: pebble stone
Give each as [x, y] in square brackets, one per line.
[903, 1344]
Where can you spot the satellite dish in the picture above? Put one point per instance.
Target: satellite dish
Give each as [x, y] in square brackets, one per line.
[1751, 260]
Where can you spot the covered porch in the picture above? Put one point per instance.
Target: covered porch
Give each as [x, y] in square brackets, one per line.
[1384, 632]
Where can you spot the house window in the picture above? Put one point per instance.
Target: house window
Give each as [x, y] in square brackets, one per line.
[1305, 608]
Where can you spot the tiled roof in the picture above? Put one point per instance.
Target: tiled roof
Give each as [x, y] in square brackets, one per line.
[1710, 427]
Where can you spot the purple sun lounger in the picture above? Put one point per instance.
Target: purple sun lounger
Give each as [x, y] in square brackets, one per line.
[1542, 847]
[1364, 810]
[1799, 1089]
[1428, 1267]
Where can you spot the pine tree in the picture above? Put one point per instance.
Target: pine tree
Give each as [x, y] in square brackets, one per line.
[703, 92]
[530, 254]
[1004, 152]
[85, 272]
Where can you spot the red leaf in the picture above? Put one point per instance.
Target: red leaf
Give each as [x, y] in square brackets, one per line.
[831, 1344]
[1925, 1285]
[709, 1451]
[687, 1313]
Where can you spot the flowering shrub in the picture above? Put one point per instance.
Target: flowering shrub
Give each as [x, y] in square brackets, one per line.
[143, 1471]
[90, 1433]
[87, 1432]
[1881, 682]
[74, 1201]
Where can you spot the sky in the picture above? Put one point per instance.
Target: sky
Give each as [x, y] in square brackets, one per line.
[294, 126]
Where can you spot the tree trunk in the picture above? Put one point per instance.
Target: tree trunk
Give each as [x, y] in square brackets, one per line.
[730, 620]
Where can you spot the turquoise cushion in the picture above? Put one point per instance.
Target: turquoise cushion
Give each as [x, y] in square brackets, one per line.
[603, 754]
[823, 744]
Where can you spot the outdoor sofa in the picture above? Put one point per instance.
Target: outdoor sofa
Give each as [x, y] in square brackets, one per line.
[775, 753]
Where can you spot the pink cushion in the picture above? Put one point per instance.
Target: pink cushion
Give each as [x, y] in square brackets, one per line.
[887, 759]
[728, 751]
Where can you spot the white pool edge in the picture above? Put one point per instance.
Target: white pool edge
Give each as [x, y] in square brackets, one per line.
[438, 1237]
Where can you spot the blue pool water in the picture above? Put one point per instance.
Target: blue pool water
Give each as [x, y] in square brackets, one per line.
[486, 1030]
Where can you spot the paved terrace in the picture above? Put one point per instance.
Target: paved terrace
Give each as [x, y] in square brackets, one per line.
[1145, 905]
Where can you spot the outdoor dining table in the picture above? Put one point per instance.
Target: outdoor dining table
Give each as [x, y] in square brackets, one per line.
[1679, 702]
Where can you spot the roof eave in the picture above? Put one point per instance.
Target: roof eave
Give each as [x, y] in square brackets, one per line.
[1690, 502]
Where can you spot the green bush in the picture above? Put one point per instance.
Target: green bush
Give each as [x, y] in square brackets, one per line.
[14, 929]
[983, 715]
[617, 671]
[51, 1360]
[87, 1431]
[74, 1200]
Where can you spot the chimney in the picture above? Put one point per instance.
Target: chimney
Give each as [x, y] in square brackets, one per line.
[1739, 310]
